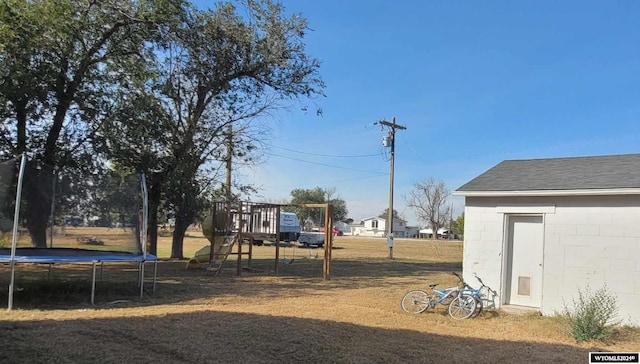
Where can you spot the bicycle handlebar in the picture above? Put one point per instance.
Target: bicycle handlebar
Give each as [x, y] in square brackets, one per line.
[479, 280]
[464, 284]
[484, 285]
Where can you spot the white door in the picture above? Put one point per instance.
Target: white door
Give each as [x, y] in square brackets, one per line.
[524, 266]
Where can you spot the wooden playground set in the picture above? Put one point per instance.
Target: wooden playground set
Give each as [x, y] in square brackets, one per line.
[232, 229]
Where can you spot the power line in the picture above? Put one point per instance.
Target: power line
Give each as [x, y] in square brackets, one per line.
[326, 165]
[414, 151]
[324, 155]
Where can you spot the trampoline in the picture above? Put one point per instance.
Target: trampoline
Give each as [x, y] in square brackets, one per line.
[107, 225]
[79, 256]
[65, 255]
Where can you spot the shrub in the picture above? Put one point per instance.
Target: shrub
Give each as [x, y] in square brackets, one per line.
[593, 314]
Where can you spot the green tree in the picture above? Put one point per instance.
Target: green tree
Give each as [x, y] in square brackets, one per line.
[318, 195]
[62, 63]
[227, 65]
[219, 68]
[459, 224]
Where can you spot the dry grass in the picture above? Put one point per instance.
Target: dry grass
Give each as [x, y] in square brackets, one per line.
[260, 317]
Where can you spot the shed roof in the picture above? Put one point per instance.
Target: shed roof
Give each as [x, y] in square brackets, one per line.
[610, 172]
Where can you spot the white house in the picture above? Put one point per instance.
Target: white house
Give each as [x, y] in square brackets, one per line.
[538, 230]
[377, 226]
[412, 232]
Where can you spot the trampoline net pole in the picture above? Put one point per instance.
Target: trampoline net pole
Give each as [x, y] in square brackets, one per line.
[143, 229]
[14, 239]
[145, 215]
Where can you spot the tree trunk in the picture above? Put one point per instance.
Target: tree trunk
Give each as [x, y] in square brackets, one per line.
[38, 194]
[155, 193]
[21, 126]
[177, 244]
[152, 230]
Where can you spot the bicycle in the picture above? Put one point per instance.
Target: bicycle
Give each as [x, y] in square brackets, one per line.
[480, 295]
[465, 304]
[418, 301]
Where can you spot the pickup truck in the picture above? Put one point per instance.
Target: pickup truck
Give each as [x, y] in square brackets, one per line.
[311, 238]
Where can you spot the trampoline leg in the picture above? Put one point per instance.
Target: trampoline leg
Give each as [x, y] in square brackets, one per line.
[10, 302]
[155, 274]
[141, 279]
[93, 285]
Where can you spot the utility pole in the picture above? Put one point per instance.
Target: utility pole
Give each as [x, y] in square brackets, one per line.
[228, 162]
[390, 141]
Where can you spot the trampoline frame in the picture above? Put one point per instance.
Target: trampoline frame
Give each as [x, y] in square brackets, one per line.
[81, 256]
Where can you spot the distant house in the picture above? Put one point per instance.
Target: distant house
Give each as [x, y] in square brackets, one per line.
[538, 230]
[412, 231]
[377, 226]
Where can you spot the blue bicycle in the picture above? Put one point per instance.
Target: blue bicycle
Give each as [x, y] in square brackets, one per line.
[467, 303]
[484, 296]
[418, 301]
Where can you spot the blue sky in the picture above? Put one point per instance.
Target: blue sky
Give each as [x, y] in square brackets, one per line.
[474, 83]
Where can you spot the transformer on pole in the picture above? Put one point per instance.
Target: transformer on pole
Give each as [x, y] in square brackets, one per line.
[389, 141]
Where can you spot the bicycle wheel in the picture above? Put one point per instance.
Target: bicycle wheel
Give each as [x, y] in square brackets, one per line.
[416, 301]
[479, 306]
[462, 307]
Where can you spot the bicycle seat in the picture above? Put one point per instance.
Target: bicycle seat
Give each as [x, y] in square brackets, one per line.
[433, 285]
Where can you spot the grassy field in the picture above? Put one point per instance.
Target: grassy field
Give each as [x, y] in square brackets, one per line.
[260, 317]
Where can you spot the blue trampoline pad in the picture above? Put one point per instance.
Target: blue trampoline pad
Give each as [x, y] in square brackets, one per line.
[65, 255]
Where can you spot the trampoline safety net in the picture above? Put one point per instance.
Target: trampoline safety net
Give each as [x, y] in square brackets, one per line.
[61, 209]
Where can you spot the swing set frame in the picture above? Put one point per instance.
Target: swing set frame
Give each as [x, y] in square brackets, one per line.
[241, 224]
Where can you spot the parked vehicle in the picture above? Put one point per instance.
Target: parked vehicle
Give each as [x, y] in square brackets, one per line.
[265, 222]
[311, 238]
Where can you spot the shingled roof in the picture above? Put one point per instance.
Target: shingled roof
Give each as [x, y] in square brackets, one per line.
[557, 174]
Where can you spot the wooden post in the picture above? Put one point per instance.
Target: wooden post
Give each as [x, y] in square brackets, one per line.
[328, 242]
[328, 238]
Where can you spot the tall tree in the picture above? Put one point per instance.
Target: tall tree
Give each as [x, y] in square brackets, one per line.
[429, 201]
[217, 68]
[229, 65]
[62, 63]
